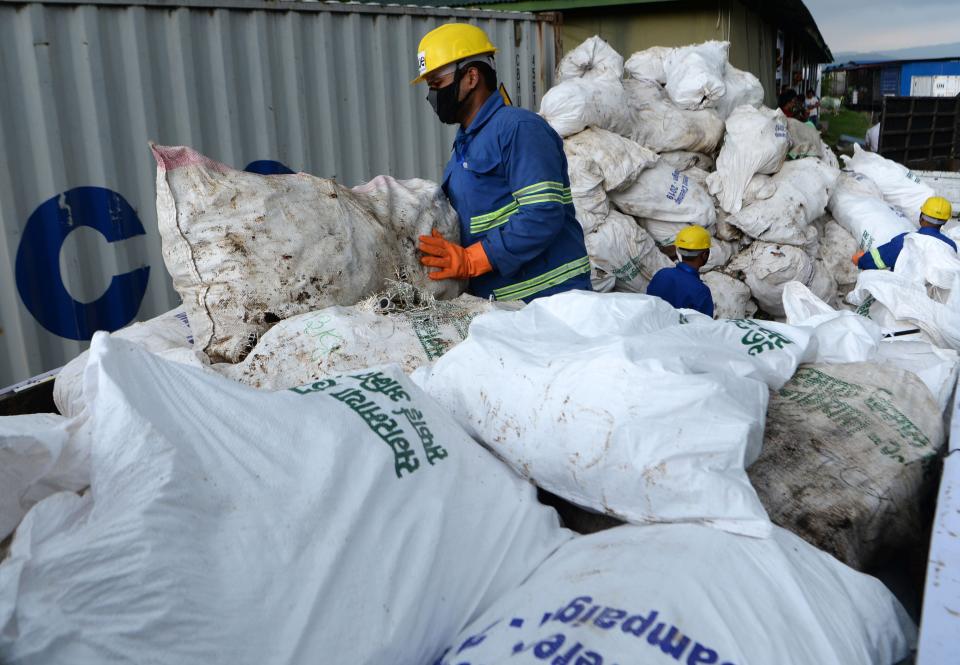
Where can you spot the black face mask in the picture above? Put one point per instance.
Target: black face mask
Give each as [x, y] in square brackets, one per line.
[444, 100]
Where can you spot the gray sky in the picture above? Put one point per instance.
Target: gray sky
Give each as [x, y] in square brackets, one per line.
[876, 25]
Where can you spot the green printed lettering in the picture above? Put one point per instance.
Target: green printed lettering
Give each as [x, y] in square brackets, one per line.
[666, 643]
[637, 625]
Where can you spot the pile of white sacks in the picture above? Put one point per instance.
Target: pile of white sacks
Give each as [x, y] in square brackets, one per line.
[321, 455]
[677, 136]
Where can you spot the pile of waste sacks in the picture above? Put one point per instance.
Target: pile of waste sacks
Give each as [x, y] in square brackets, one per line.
[323, 456]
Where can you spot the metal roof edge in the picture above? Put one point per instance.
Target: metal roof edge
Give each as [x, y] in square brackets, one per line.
[297, 6]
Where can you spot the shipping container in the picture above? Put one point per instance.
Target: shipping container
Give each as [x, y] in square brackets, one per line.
[322, 88]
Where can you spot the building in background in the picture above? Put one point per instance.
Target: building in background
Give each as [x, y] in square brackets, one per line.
[863, 85]
[779, 42]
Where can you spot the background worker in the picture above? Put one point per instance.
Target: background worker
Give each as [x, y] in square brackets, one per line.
[507, 179]
[681, 285]
[933, 215]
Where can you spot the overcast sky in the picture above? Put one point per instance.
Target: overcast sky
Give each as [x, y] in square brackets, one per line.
[878, 25]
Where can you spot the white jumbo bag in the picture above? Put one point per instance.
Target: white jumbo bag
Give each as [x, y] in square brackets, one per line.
[695, 74]
[667, 195]
[900, 187]
[648, 64]
[618, 159]
[623, 249]
[40, 455]
[683, 593]
[246, 250]
[350, 521]
[731, 297]
[856, 205]
[335, 340]
[168, 335]
[590, 395]
[586, 188]
[740, 88]
[592, 59]
[756, 141]
[662, 127]
[575, 104]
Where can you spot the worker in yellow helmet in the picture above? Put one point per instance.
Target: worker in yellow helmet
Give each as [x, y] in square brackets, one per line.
[934, 213]
[681, 285]
[507, 179]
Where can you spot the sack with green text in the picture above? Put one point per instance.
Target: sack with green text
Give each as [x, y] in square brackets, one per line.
[340, 339]
[682, 594]
[622, 404]
[345, 521]
[847, 458]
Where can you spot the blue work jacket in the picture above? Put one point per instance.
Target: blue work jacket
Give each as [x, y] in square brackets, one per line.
[885, 256]
[507, 179]
[682, 287]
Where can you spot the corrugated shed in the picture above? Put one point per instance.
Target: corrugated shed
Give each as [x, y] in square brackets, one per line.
[321, 87]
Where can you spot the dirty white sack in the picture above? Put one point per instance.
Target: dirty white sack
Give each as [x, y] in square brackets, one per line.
[684, 593]
[846, 458]
[802, 190]
[768, 267]
[731, 297]
[586, 188]
[40, 455]
[756, 141]
[589, 396]
[618, 160]
[662, 127]
[575, 104]
[168, 335]
[335, 340]
[868, 218]
[648, 64]
[805, 139]
[667, 195]
[685, 159]
[215, 530]
[622, 248]
[695, 74]
[246, 250]
[839, 336]
[593, 59]
[740, 88]
[900, 186]
[837, 248]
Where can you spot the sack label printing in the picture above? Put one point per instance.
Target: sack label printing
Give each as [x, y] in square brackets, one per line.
[827, 396]
[562, 649]
[361, 398]
[758, 338]
[678, 190]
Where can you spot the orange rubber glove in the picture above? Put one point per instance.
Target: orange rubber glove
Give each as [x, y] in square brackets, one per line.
[456, 262]
[856, 257]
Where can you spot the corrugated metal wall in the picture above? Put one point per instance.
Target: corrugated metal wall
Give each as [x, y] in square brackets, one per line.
[321, 87]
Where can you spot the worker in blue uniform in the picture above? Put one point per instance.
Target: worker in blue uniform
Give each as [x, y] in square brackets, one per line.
[681, 285]
[934, 213]
[507, 180]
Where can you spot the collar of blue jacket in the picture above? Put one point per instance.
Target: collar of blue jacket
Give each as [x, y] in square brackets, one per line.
[483, 116]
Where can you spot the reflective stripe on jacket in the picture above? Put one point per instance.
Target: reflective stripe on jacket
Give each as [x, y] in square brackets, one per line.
[507, 179]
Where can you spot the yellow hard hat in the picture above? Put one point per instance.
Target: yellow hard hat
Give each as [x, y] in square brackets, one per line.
[693, 237]
[448, 44]
[936, 207]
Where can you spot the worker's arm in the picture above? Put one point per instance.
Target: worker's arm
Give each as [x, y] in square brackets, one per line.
[882, 257]
[535, 169]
